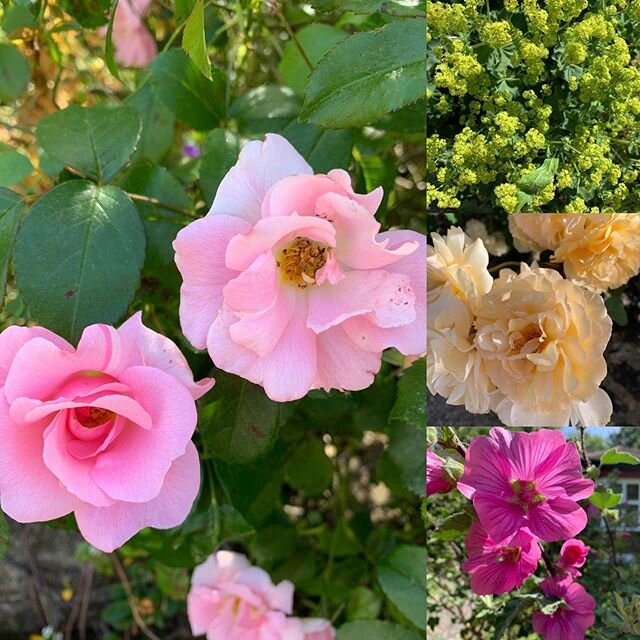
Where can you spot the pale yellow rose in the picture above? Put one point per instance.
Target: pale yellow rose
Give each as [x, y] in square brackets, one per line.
[458, 264]
[539, 231]
[495, 242]
[542, 340]
[602, 252]
[454, 369]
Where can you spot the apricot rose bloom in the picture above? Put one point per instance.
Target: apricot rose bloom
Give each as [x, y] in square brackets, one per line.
[542, 340]
[538, 232]
[231, 599]
[288, 283]
[103, 431]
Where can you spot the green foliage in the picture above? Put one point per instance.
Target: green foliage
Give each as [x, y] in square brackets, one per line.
[366, 76]
[375, 630]
[11, 211]
[88, 226]
[604, 498]
[14, 73]
[194, 39]
[613, 456]
[14, 167]
[4, 535]
[97, 142]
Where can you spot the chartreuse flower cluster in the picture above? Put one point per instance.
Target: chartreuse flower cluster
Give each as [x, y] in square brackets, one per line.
[529, 345]
[534, 105]
[525, 489]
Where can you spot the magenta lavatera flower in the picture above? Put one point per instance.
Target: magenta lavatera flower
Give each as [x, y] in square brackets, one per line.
[438, 480]
[288, 282]
[573, 555]
[103, 431]
[574, 616]
[134, 45]
[530, 481]
[231, 599]
[499, 567]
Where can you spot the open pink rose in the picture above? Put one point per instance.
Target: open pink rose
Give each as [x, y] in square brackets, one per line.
[529, 481]
[318, 629]
[573, 618]
[231, 599]
[498, 568]
[288, 282]
[103, 430]
[134, 45]
[572, 556]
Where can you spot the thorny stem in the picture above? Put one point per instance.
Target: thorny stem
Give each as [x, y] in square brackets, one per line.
[160, 203]
[122, 576]
[278, 10]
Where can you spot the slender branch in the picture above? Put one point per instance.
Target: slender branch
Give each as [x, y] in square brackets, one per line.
[278, 10]
[547, 562]
[86, 601]
[612, 543]
[503, 265]
[585, 457]
[126, 585]
[160, 203]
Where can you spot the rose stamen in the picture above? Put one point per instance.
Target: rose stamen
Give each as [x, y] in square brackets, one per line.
[300, 260]
[91, 417]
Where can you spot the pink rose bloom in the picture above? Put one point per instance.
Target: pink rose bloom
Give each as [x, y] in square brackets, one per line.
[318, 629]
[572, 556]
[570, 621]
[134, 45]
[529, 481]
[288, 282]
[438, 481]
[234, 600]
[103, 430]
[498, 568]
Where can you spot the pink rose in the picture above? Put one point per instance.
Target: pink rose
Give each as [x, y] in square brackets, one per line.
[573, 618]
[234, 600]
[499, 567]
[529, 481]
[318, 629]
[134, 45]
[572, 556]
[103, 430]
[288, 282]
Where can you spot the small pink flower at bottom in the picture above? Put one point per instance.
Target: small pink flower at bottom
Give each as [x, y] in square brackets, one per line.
[234, 600]
[315, 629]
[499, 567]
[438, 481]
[102, 430]
[573, 618]
[530, 481]
[288, 282]
[573, 555]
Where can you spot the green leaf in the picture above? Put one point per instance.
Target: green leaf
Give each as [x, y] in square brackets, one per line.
[363, 604]
[368, 75]
[316, 40]
[109, 50]
[183, 9]
[375, 630]
[308, 468]
[613, 456]
[432, 436]
[14, 73]
[454, 526]
[616, 309]
[410, 405]
[161, 224]
[605, 498]
[268, 108]
[96, 141]
[323, 149]
[89, 13]
[514, 608]
[241, 424]
[11, 210]
[14, 167]
[402, 577]
[407, 450]
[172, 581]
[78, 256]
[17, 17]
[393, 7]
[539, 178]
[194, 41]
[219, 153]
[4, 536]
[196, 100]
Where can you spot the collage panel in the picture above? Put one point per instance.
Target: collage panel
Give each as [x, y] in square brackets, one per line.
[533, 319]
[533, 533]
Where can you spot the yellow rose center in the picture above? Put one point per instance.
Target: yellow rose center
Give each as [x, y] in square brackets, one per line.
[531, 332]
[300, 260]
[91, 417]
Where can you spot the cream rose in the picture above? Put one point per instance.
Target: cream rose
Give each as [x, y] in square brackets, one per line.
[602, 251]
[537, 231]
[459, 264]
[542, 340]
[454, 368]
